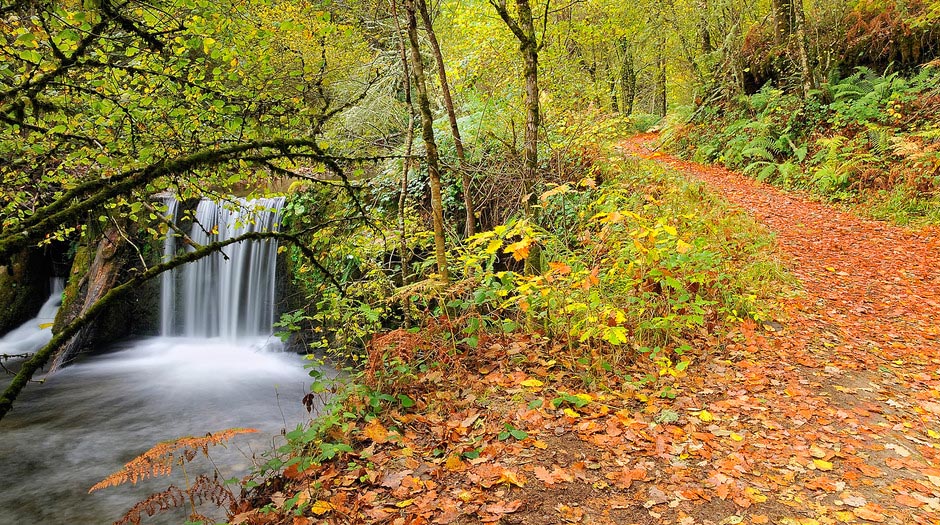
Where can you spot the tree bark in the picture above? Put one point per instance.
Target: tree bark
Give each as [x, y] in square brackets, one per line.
[806, 72]
[627, 78]
[659, 96]
[470, 228]
[523, 27]
[782, 12]
[406, 162]
[427, 128]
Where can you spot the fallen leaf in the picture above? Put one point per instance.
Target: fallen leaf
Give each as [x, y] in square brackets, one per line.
[376, 432]
[570, 514]
[511, 478]
[823, 465]
[454, 463]
[867, 514]
[532, 383]
[706, 416]
[503, 507]
[755, 495]
[321, 507]
[908, 501]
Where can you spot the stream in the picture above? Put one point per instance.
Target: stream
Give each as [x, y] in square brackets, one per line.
[86, 421]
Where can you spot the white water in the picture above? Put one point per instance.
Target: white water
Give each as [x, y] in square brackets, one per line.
[87, 420]
[211, 297]
[35, 333]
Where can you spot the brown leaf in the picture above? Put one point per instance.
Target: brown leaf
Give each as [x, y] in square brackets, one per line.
[503, 507]
[392, 480]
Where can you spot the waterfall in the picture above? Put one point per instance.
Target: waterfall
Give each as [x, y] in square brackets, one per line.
[168, 279]
[35, 333]
[228, 294]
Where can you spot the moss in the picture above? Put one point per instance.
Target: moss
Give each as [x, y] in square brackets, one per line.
[24, 286]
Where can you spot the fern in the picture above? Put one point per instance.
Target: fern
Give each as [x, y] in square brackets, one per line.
[159, 460]
[204, 489]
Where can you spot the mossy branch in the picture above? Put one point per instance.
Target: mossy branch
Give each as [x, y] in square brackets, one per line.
[78, 201]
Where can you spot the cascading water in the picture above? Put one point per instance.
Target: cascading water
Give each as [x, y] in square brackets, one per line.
[35, 333]
[208, 371]
[229, 294]
[168, 279]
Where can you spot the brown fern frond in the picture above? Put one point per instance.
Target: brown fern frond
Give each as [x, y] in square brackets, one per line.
[163, 501]
[204, 489]
[159, 460]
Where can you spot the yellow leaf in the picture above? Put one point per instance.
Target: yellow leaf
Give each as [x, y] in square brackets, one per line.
[403, 504]
[706, 416]
[845, 516]
[540, 444]
[519, 250]
[822, 464]
[737, 437]
[511, 478]
[755, 495]
[493, 246]
[587, 398]
[933, 433]
[532, 383]
[465, 496]
[453, 463]
[682, 246]
[43, 326]
[571, 413]
[321, 507]
[670, 230]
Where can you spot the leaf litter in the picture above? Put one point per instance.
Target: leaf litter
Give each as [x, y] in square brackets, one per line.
[828, 414]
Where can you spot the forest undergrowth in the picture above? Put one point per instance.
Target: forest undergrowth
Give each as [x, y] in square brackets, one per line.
[864, 139]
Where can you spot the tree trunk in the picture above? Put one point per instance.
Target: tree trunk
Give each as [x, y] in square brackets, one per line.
[627, 78]
[782, 12]
[523, 28]
[705, 39]
[427, 128]
[806, 72]
[406, 162]
[659, 96]
[451, 115]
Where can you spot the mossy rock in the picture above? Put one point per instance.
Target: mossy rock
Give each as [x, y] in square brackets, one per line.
[99, 265]
[24, 287]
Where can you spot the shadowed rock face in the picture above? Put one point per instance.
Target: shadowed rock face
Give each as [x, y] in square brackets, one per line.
[24, 286]
[97, 268]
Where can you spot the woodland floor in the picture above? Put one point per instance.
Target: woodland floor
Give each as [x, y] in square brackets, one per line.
[828, 414]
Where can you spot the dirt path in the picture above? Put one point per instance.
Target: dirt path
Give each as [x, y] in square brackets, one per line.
[853, 379]
[829, 414]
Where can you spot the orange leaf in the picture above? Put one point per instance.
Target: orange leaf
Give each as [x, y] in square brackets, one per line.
[908, 501]
[376, 432]
[867, 514]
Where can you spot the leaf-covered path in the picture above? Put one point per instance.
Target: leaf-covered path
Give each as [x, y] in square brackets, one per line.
[826, 414]
[847, 389]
